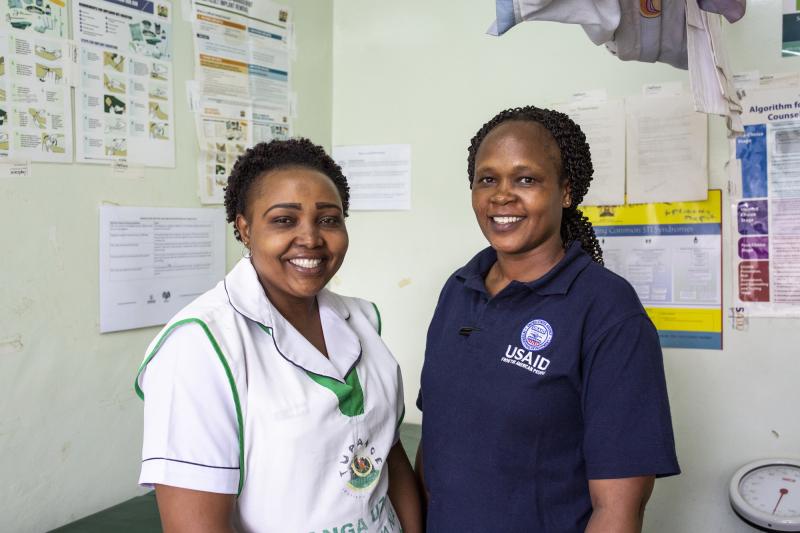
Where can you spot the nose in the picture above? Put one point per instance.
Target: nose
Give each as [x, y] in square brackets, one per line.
[502, 193]
[308, 235]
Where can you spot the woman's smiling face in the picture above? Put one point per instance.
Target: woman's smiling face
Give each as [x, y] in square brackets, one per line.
[517, 190]
[294, 228]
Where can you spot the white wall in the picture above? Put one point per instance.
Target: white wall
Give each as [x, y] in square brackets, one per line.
[423, 72]
[70, 423]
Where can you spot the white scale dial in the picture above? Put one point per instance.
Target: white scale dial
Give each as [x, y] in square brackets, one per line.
[767, 493]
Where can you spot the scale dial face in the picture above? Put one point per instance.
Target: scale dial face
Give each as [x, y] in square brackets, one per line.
[767, 493]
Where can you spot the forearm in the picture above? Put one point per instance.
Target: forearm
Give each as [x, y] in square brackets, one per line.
[618, 504]
[403, 491]
[614, 521]
[192, 511]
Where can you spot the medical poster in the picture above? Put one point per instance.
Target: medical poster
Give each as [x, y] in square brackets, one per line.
[242, 51]
[124, 97]
[672, 255]
[45, 18]
[154, 261]
[225, 129]
[35, 103]
[766, 204]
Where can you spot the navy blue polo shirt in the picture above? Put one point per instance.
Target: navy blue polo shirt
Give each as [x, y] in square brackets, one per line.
[529, 394]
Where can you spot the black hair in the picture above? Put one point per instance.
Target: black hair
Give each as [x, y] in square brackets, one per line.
[274, 155]
[576, 168]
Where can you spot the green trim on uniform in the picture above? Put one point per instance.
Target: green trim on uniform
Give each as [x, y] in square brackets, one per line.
[378, 312]
[228, 373]
[349, 393]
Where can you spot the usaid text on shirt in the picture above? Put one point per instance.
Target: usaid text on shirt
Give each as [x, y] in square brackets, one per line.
[536, 336]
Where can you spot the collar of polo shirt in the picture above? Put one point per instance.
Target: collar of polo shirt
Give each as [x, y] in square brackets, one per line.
[557, 281]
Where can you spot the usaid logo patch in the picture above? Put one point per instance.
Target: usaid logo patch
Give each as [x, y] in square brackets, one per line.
[536, 335]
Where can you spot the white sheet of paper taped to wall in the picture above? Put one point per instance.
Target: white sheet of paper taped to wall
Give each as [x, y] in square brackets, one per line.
[603, 123]
[667, 153]
[379, 175]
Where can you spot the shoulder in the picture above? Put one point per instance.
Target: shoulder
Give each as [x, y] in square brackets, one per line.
[197, 328]
[606, 300]
[352, 305]
[606, 290]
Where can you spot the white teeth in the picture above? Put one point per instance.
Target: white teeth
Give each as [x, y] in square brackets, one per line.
[306, 263]
[506, 220]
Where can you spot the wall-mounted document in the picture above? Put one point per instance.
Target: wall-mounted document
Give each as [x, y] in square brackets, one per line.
[667, 147]
[124, 96]
[242, 50]
[766, 204]
[379, 175]
[671, 255]
[154, 261]
[603, 123]
[225, 129]
[35, 104]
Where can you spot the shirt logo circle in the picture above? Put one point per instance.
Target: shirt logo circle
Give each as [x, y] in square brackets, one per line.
[536, 335]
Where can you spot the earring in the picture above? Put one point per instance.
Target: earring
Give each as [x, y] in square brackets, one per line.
[246, 253]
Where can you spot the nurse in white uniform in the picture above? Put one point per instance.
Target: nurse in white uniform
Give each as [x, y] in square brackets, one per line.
[270, 403]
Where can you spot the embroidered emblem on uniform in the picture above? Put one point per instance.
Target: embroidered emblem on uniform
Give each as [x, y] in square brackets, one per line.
[360, 467]
[536, 335]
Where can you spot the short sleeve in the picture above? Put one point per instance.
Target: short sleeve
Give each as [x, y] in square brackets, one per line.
[627, 423]
[191, 435]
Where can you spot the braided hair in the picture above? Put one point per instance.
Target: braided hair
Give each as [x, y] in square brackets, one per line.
[267, 156]
[576, 167]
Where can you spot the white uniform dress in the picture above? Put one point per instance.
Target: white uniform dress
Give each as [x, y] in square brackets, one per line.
[236, 401]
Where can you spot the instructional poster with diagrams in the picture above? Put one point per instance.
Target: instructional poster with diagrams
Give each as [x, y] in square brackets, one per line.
[45, 18]
[224, 130]
[766, 204]
[671, 253]
[124, 92]
[35, 103]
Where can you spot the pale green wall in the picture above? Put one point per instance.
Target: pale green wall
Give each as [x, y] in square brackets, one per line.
[70, 424]
[423, 72]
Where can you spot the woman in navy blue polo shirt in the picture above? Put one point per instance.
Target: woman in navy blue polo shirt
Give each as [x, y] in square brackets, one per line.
[545, 404]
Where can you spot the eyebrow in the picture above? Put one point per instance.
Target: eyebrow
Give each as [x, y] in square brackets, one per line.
[298, 207]
[284, 206]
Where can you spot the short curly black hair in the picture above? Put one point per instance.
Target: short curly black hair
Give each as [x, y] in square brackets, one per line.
[273, 155]
[576, 168]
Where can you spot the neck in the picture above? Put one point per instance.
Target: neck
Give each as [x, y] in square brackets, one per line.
[526, 267]
[299, 312]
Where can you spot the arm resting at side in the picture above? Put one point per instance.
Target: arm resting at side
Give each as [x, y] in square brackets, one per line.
[403, 491]
[618, 504]
[194, 511]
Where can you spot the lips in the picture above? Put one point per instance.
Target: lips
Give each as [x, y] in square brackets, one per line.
[307, 265]
[504, 222]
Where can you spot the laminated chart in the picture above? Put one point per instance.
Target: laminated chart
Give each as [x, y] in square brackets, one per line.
[672, 255]
[225, 129]
[766, 206]
[124, 92]
[35, 104]
[45, 18]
